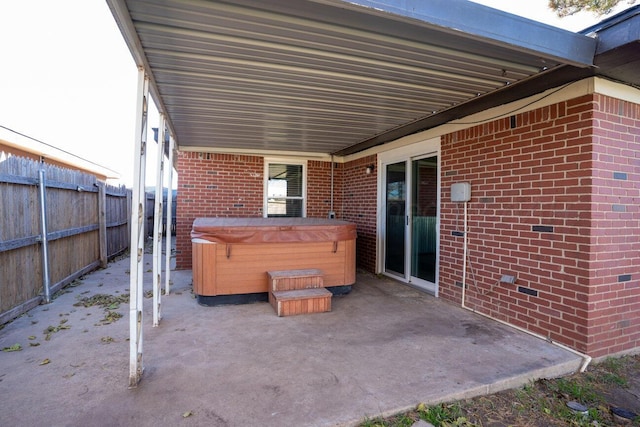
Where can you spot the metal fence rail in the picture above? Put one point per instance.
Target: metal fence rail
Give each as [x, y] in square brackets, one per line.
[56, 224]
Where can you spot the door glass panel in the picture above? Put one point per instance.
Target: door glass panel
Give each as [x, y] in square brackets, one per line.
[395, 221]
[424, 201]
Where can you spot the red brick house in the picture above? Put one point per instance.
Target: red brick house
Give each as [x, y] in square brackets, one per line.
[543, 124]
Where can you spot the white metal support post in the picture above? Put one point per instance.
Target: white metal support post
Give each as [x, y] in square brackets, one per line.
[167, 274]
[136, 295]
[157, 226]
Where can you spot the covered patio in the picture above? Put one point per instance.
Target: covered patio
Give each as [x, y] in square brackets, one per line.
[384, 348]
[355, 83]
[332, 82]
[319, 80]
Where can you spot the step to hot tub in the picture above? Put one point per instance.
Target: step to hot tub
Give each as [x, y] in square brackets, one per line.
[287, 280]
[300, 301]
[294, 292]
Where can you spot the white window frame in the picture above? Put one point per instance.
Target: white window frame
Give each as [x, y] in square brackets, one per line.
[284, 161]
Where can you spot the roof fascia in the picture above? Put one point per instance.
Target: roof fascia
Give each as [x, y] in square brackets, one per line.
[472, 20]
[622, 31]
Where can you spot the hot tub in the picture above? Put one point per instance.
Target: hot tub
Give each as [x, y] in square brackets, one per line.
[231, 256]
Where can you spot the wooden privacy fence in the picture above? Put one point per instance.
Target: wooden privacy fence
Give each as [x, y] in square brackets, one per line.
[86, 223]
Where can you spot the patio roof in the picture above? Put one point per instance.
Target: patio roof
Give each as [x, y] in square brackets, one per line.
[332, 76]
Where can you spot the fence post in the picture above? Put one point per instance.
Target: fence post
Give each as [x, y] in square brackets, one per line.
[102, 224]
[42, 186]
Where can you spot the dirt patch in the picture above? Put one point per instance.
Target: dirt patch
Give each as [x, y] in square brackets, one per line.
[607, 394]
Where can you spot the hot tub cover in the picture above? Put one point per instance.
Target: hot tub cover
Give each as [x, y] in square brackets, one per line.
[271, 230]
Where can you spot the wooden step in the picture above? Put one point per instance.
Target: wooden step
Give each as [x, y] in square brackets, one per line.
[300, 301]
[287, 280]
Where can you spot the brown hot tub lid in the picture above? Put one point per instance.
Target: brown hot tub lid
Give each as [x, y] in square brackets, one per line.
[272, 230]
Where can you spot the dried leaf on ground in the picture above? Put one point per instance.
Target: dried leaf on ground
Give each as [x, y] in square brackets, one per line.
[15, 347]
[109, 317]
[53, 329]
[103, 300]
[108, 302]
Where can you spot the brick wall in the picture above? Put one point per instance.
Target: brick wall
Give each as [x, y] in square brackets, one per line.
[614, 300]
[215, 185]
[319, 189]
[227, 185]
[360, 201]
[533, 215]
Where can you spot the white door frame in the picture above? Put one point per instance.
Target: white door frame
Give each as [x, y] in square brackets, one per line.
[427, 148]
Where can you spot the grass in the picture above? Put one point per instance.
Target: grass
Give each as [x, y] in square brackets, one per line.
[445, 415]
[539, 403]
[581, 391]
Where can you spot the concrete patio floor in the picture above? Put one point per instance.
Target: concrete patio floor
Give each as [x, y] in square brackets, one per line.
[385, 347]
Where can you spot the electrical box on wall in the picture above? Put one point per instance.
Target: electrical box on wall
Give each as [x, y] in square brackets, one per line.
[461, 192]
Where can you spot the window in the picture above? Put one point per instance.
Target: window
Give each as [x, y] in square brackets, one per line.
[285, 189]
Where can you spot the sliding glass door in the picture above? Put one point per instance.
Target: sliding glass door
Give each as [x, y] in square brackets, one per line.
[411, 220]
[396, 202]
[423, 218]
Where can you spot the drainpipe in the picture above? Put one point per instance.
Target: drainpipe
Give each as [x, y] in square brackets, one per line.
[586, 359]
[464, 254]
[43, 237]
[332, 214]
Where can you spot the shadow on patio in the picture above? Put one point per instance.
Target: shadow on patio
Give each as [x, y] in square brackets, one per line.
[385, 347]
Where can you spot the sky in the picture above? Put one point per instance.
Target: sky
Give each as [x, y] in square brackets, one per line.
[67, 77]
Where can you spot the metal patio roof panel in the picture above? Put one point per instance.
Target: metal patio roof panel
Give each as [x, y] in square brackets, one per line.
[216, 40]
[356, 71]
